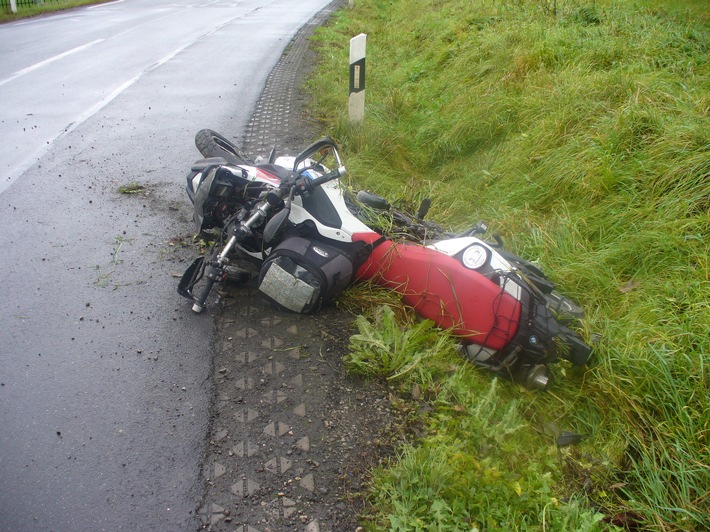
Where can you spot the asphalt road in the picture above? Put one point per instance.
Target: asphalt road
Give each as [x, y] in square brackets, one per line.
[105, 377]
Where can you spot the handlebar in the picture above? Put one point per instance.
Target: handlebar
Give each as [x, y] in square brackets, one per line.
[305, 185]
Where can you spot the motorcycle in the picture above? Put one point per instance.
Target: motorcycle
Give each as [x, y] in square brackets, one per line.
[291, 223]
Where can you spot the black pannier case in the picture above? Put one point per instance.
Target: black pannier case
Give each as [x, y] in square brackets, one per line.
[302, 274]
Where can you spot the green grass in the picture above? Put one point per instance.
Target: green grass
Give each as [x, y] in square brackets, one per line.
[580, 131]
[6, 15]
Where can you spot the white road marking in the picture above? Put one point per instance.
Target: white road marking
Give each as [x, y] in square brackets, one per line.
[34, 157]
[34, 67]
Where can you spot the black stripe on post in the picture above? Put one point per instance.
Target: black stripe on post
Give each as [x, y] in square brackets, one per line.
[357, 76]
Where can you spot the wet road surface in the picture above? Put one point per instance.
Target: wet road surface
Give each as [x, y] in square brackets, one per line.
[105, 375]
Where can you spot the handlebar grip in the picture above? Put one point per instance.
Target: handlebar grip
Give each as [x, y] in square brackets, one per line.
[210, 277]
[335, 174]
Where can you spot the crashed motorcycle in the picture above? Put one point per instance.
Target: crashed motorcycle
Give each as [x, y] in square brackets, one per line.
[292, 224]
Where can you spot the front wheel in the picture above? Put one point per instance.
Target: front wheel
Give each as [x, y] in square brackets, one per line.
[212, 144]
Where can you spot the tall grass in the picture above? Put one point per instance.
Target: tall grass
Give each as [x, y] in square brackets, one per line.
[580, 131]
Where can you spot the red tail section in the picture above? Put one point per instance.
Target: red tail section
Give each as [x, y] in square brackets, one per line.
[441, 289]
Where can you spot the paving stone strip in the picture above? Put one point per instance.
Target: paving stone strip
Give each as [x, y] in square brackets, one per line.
[278, 120]
[292, 436]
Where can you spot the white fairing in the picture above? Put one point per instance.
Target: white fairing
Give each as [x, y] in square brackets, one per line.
[350, 224]
[287, 162]
[454, 246]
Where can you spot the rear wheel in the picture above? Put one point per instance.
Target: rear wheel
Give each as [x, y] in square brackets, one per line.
[212, 144]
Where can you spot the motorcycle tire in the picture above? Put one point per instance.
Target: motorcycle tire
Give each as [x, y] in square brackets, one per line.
[212, 144]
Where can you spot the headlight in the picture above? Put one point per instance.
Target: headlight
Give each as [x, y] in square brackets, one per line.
[475, 256]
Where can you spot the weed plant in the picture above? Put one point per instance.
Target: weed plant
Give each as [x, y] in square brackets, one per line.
[579, 131]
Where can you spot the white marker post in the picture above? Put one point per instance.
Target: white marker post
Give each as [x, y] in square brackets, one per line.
[13, 6]
[356, 104]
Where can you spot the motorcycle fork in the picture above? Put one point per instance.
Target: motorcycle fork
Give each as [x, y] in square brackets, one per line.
[214, 271]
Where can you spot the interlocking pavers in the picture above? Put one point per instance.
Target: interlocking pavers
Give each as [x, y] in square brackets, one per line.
[288, 433]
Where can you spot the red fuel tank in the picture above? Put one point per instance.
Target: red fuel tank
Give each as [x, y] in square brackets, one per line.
[442, 289]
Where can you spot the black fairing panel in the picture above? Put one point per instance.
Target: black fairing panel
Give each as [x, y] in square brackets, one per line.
[319, 205]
